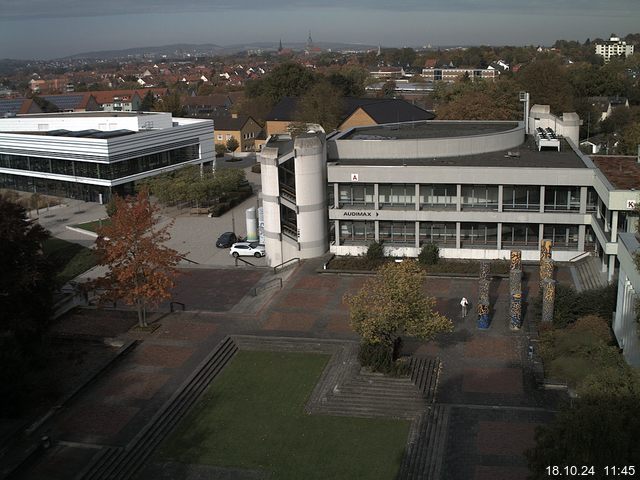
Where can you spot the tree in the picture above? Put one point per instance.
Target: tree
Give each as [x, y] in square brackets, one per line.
[389, 89]
[548, 83]
[141, 269]
[148, 103]
[220, 149]
[600, 429]
[322, 104]
[630, 140]
[26, 296]
[286, 80]
[172, 103]
[232, 144]
[479, 100]
[393, 303]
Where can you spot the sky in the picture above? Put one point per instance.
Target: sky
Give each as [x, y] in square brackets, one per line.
[45, 29]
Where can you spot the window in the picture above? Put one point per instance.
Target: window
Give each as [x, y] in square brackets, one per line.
[439, 196]
[397, 233]
[562, 236]
[357, 233]
[478, 235]
[397, 195]
[592, 200]
[355, 195]
[481, 197]
[520, 234]
[220, 137]
[515, 197]
[562, 199]
[438, 233]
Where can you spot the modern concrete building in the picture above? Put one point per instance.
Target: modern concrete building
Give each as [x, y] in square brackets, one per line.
[625, 323]
[90, 155]
[453, 74]
[477, 189]
[613, 48]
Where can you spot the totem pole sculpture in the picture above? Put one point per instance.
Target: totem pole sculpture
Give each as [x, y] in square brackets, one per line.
[515, 290]
[547, 283]
[483, 297]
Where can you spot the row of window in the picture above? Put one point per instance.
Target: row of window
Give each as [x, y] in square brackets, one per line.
[106, 171]
[471, 234]
[444, 196]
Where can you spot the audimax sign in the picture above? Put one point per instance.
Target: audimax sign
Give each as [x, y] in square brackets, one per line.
[359, 213]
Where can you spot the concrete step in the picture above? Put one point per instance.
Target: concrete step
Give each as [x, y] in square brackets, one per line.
[124, 464]
[423, 458]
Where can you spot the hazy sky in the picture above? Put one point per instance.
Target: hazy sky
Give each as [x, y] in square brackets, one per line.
[55, 28]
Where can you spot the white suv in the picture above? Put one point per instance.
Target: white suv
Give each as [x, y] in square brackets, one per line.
[247, 249]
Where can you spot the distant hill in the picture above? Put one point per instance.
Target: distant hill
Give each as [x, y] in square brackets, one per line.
[207, 49]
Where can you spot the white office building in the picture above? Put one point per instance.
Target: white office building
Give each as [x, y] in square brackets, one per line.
[90, 155]
[613, 48]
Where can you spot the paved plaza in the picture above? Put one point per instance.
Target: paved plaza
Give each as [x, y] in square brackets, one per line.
[485, 382]
[485, 385]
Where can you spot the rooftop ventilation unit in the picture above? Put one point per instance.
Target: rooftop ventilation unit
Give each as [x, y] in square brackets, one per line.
[547, 138]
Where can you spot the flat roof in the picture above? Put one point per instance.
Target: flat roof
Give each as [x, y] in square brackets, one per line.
[524, 156]
[98, 113]
[428, 129]
[622, 172]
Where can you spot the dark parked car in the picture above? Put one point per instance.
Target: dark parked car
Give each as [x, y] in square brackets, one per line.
[226, 240]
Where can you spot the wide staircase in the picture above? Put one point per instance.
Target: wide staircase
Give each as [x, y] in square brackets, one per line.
[588, 275]
[426, 446]
[118, 463]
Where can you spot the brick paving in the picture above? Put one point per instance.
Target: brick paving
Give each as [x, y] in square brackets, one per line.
[484, 380]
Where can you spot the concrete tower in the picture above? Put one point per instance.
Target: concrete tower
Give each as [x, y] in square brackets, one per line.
[294, 197]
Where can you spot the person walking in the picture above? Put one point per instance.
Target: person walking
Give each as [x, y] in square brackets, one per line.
[464, 304]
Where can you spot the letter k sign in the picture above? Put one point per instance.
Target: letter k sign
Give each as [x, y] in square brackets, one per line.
[354, 177]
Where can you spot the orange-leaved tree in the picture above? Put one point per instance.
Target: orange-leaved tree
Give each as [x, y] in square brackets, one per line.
[141, 269]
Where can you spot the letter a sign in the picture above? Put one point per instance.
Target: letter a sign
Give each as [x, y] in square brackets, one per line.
[354, 177]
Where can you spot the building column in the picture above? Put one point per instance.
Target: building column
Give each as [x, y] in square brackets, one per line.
[598, 203]
[581, 237]
[603, 266]
[336, 193]
[583, 200]
[417, 242]
[499, 231]
[337, 232]
[377, 231]
[540, 234]
[500, 197]
[376, 203]
[458, 242]
[458, 202]
[614, 226]
[417, 197]
[541, 203]
[612, 266]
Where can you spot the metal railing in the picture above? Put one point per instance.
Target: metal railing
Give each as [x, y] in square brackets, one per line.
[273, 283]
[286, 264]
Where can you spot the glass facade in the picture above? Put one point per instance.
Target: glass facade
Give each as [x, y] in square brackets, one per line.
[398, 233]
[356, 195]
[563, 237]
[481, 197]
[520, 198]
[438, 197]
[478, 235]
[562, 199]
[441, 233]
[105, 171]
[520, 235]
[58, 188]
[397, 195]
[357, 233]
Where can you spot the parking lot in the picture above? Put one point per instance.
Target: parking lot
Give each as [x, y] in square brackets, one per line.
[194, 236]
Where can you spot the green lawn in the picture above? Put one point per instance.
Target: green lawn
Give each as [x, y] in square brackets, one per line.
[69, 259]
[252, 417]
[93, 226]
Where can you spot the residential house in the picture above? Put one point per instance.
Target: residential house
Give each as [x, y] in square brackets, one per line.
[241, 127]
[73, 102]
[357, 112]
[613, 48]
